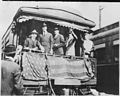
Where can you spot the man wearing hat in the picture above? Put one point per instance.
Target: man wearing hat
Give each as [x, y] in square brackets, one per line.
[32, 43]
[58, 43]
[88, 48]
[11, 79]
[46, 39]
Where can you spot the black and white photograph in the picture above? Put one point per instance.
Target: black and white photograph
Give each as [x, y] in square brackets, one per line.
[55, 48]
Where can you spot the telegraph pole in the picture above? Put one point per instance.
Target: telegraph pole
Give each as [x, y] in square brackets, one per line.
[100, 9]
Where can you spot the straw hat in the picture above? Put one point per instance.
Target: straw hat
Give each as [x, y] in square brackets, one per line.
[34, 32]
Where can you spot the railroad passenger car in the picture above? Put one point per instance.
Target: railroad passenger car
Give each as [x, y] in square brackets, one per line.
[106, 41]
[66, 72]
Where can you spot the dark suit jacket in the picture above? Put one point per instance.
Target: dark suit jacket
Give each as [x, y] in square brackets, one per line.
[10, 77]
[46, 41]
[59, 40]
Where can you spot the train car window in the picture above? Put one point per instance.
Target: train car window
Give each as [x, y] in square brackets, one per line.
[100, 55]
[116, 53]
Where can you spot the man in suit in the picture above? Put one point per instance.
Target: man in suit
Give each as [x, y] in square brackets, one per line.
[11, 79]
[46, 39]
[59, 42]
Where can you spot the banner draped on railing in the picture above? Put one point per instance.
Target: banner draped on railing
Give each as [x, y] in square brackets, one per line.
[34, 67]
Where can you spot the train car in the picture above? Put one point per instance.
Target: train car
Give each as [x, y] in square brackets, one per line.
[63, 77]
[106, 42]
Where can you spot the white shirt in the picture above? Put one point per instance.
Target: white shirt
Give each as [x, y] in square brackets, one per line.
[88, 44]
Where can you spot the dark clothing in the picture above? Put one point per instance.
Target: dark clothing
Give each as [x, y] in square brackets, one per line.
[46, 41]
[10, 78]
[32, 44]
[59, 40]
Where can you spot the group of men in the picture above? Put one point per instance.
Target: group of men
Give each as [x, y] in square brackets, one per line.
[48, 43]
[45, 41]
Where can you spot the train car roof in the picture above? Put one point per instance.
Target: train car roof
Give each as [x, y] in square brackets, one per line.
[106, 31]
[62, 14]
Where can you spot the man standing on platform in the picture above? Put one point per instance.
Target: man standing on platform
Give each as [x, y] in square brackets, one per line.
[70, 43]
[88, 48]
[46, 39]
[58, 43]
[88, 45]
